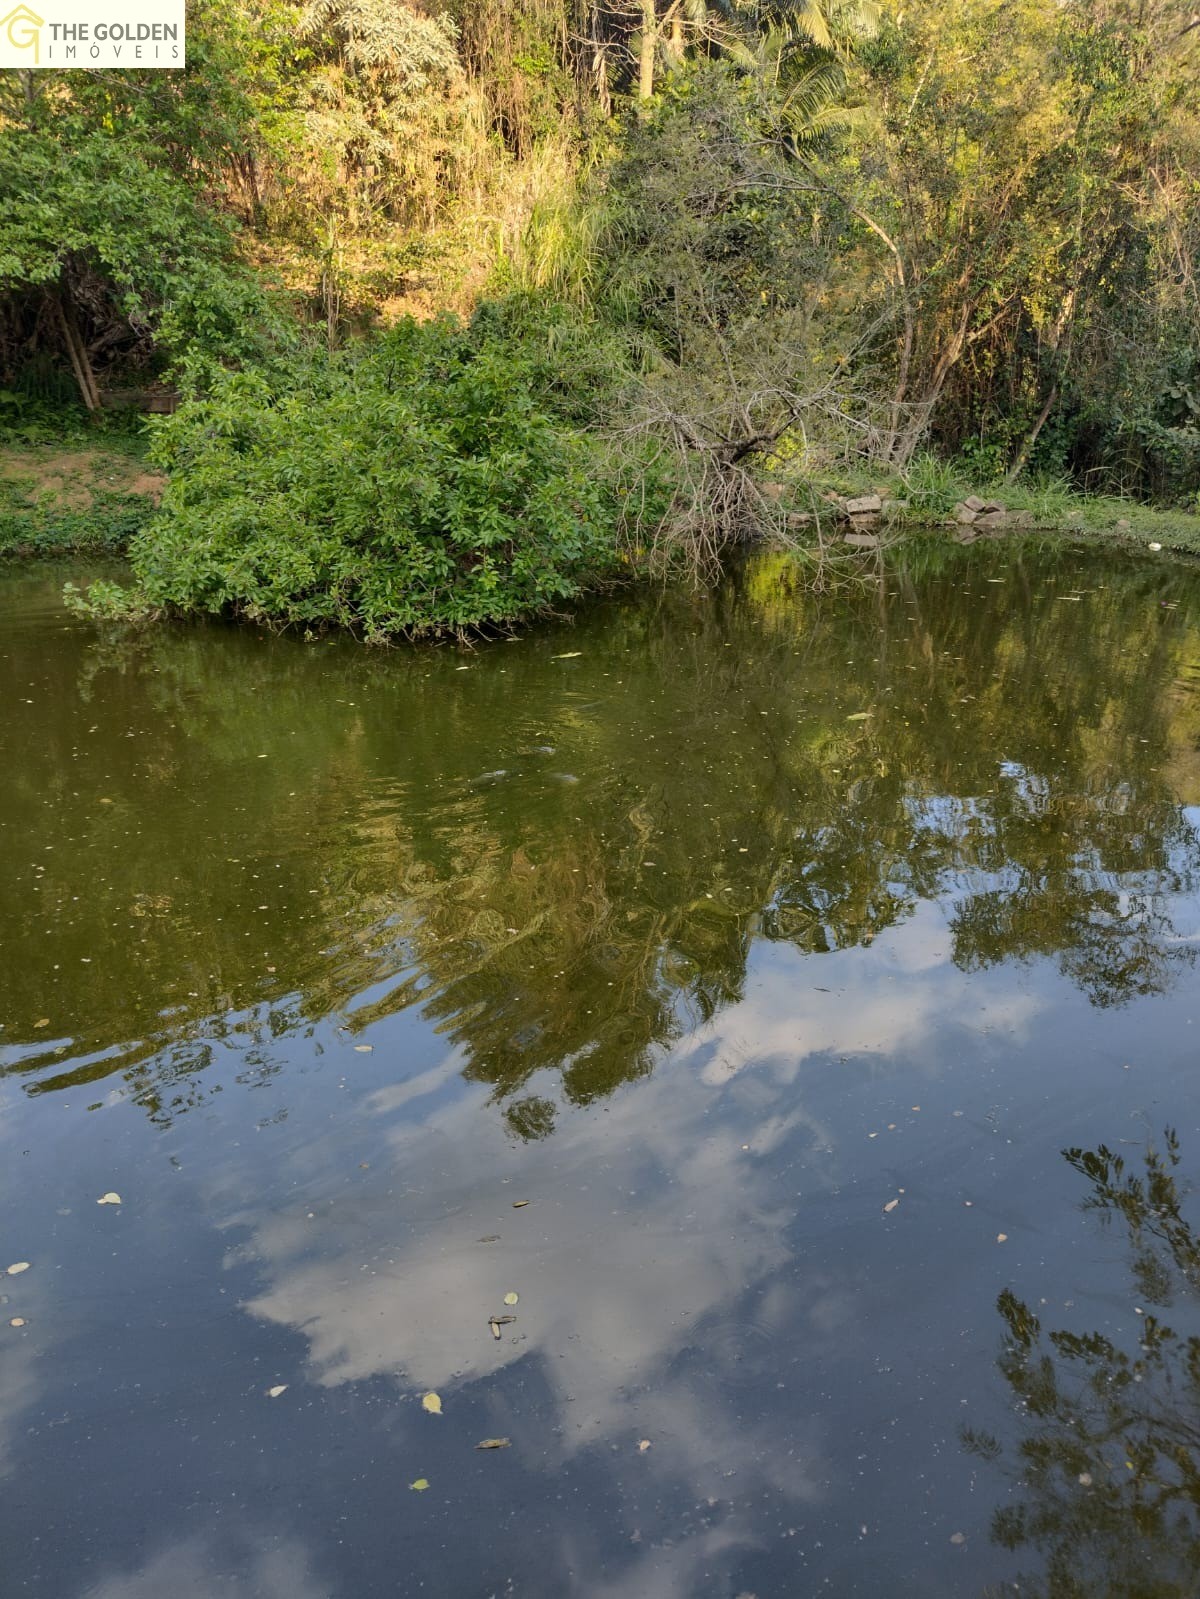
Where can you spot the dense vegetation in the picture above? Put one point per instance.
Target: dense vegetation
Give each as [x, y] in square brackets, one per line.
[687, 240]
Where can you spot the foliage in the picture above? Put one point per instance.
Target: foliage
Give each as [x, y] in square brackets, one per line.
[812, 236]
[1108, 1484]
[105, 253]
[428, 484]
[709, 261]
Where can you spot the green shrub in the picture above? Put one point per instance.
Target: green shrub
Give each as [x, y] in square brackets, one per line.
[431, 482]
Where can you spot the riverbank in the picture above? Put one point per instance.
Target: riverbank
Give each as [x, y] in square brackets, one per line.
[74, 498]
[933, 500]
[62, 499]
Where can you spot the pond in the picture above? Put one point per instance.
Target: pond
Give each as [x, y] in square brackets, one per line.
[791, 999]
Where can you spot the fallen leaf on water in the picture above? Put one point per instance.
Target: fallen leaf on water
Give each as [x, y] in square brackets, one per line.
[958, 1537]
[422, 1482]
[643, 1445]
[890, 1206]
[109, 1199]
[1001, 1238]
[859, 716]
[17, 1321]
[432, 1403]
[495, 1326]
[274, 1393]
[1085, 1479]
[490, 1238]
[21, 1265]
[45, 1022]
[492, 1443]
[510, 1299]
[570, 655]
[363, 1049]
[520, 1204]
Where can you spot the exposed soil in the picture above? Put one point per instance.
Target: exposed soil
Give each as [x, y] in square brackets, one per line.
[74, 478]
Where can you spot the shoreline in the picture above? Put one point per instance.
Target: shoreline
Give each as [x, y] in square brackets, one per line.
[74, 498]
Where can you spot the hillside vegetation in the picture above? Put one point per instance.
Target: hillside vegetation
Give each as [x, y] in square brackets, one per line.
[465, 308]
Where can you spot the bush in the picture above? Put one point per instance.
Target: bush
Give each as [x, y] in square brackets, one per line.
[429, 483]
[105, 250]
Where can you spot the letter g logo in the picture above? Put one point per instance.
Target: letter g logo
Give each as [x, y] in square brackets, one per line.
[21, 38]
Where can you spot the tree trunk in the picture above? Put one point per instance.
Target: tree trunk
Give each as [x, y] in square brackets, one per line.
[1018, 465]
[600, 64]
[649, 45]
[76, 350]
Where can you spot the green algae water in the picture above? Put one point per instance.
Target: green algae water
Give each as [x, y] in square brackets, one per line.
[791, 999]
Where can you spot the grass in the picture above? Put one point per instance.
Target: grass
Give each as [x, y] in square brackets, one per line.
[56, 500]
[926, 495]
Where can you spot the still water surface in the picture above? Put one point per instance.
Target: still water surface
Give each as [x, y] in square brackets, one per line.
[785, 997]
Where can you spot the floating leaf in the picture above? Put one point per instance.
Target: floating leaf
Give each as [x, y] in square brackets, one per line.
[571, 655]
[890, 1206]
[21, 1265]
[17, 1321]
[45, 1022]
[492, 1443]
[859, 716]
[495, 1326]
[520, 1204]
[958, 1537]
[420, 1485]
[432, 1403]
[1001, 1238]
[363, 1049]
[280, 1388]
[510, 1299]
[109, 1199]
[643, 1445]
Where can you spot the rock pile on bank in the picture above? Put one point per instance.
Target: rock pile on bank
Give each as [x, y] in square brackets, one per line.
[975, 518]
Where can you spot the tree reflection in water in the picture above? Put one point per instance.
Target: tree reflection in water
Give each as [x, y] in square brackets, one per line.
[1108, 1484]
[564, 859]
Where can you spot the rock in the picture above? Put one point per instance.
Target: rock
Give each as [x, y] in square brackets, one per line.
[965, 514]
[865, 505]
[966, 535]
[991, 521]
[799, 518]
[993, 505]
[973, 502]
[862, 541]
[1020, 519]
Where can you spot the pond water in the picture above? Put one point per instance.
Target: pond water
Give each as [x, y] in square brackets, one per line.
[786, 997]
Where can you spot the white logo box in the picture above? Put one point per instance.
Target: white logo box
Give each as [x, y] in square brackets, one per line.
[92, 33]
